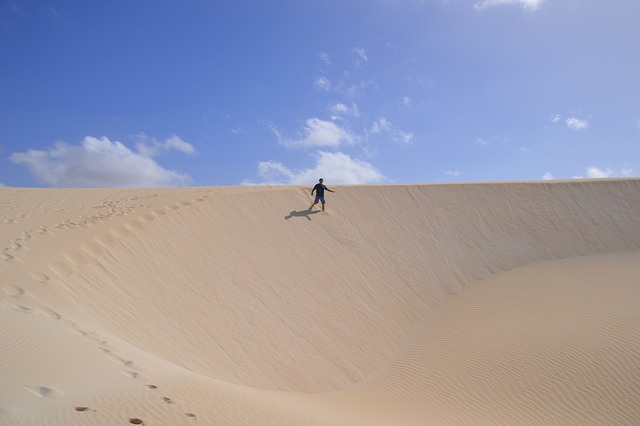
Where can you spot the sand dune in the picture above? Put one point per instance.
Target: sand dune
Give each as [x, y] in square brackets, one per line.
[458, 304]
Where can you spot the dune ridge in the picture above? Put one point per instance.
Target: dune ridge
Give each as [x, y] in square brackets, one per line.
[492, 303]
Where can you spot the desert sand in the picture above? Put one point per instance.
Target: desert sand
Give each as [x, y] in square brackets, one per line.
[514, 303]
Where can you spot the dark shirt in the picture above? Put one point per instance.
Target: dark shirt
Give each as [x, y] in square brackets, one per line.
[319, 188]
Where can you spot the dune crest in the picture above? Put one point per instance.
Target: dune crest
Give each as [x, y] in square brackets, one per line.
[394, 306]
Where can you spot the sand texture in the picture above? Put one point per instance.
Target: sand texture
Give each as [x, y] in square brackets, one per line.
[453, 304]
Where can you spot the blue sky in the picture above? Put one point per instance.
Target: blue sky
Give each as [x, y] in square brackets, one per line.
[228, 92]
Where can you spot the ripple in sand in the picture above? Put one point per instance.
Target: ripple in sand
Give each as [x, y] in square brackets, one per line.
[75, 258]
[106, 240]
[59, 268]
[93, 249]
[134, 225]
[121, 232]
[148, 218]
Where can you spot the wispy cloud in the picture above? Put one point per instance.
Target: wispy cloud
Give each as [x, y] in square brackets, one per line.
[361, 55]
[454, 173]
[382, 126]
[14, 8]
[99, 162]
[152, 147]
[334, 167]
[322, 84]
[325, 58]
[526, 4]
[547, 176]
[594, 172]
[576, 123]
[340, 109]
[320, 133]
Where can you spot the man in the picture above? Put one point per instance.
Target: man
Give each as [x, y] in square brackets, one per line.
[319, 190]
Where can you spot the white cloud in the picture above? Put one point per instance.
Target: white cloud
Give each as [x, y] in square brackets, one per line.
[594, 172]
[454, 173]
[152, 147]
[555, 118]
[334, 167]
[383, 126]
[547, 176]
[576, 123]
[406, 101]
[321, 133]
[526, 4]
[99, 162]
[481, 142]
[322, 84]
[342, 109]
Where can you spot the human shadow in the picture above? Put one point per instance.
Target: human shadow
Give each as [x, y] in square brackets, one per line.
[302, 213]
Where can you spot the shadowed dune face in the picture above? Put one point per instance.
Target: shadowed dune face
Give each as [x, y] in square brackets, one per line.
[249, 288]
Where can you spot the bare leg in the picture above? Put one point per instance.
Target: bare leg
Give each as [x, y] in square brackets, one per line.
[322, 206]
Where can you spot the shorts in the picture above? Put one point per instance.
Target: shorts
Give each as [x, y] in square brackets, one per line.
[319, 198]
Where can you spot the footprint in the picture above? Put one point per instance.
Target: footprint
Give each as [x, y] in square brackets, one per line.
[45, 392]
[191, 416]
[131, 374]
[136, 421]
[22, 308]
[167, 400]
[82, 409]
[7, 257]
[14, 291]
[120, 360]
[39, 276]
[49, 313]
[152, 387]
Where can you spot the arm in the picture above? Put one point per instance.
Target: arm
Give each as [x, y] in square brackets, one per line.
[329, 190]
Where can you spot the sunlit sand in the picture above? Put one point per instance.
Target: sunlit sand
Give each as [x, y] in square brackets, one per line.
[454, 304]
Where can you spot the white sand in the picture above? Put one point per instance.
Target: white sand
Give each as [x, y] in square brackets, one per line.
[460, 304]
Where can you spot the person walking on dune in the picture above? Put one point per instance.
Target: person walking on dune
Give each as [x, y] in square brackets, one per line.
[319, 190]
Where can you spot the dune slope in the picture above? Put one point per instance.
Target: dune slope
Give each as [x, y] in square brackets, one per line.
[496, 303]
